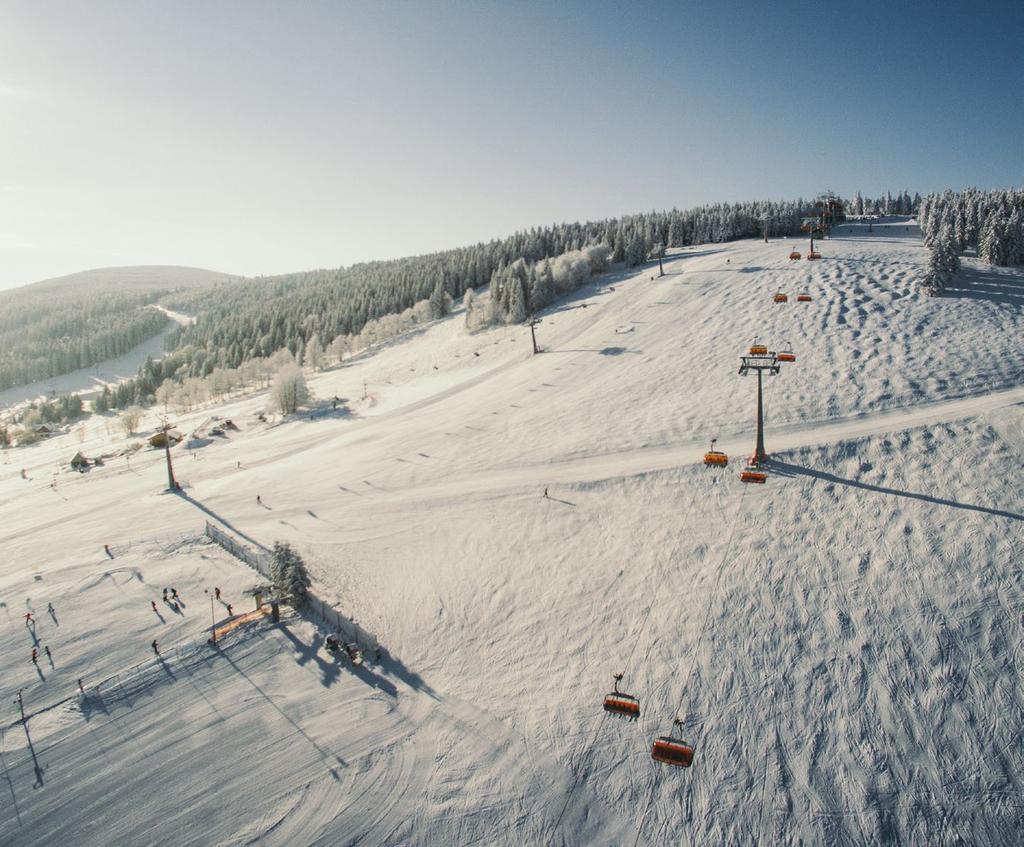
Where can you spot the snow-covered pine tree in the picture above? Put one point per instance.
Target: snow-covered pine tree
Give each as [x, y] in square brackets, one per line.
[495, 311]
[990, 248]
[340, 346]
[288, 572]
[516, 302]
[542, 289]
[440, 302]
[1015, 237]
[314, 353]
[280, 562]
[636, 251]
[948, 252]
[960, 227]
[470, 305]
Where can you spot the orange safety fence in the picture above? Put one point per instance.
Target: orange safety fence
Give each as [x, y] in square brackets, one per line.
[239, 620]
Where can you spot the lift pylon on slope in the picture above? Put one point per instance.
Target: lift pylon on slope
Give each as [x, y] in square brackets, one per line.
[758, 363]
[813, 254]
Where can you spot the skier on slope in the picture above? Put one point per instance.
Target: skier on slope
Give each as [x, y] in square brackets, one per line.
[155, 649]
[49, 657]
[35, 656]
[153, 604]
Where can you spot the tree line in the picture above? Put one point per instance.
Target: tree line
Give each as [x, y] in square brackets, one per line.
[44, 335]
[324, 314]
[991, 223]
[240, 322]
[886, 204]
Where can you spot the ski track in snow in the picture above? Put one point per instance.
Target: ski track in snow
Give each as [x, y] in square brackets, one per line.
[843, 644]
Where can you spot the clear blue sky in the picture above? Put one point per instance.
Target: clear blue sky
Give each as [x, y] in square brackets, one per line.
[256, 137]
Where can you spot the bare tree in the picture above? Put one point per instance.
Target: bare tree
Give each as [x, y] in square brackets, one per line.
[129, 419]
[289, 390]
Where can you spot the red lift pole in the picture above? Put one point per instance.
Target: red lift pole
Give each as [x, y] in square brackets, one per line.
[172, 484]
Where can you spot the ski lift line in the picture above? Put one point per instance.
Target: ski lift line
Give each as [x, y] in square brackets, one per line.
[767, 752]
[593, 741]
[669, 582]
[676, 578]
[656, 576]
[671, 558]
[576, 777]
[707, 615]
[647, 805]
[711, 602]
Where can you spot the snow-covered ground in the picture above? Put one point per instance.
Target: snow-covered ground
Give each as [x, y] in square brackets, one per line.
[842, 644]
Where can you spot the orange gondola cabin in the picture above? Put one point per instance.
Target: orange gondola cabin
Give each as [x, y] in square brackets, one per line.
[803, 298]
[758, 349]
[781, 298]
[669, 751]
[795, 254]
[672, 751]
[814, 254]
[715, 458]
[750, 475]
[621, 705]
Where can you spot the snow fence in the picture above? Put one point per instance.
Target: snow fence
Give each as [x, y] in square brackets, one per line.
[260, 560]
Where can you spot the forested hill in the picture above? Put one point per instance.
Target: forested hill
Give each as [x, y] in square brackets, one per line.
[131, 278]
[255, 320]
[102, 313]
[63, 324]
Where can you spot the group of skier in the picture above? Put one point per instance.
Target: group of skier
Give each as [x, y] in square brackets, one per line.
[30, 622]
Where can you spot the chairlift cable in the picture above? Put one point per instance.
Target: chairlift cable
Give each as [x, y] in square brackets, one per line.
[711, 602]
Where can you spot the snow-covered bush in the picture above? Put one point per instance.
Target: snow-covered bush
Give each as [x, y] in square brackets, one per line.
[289, 390]
[129, 419]
[524, 288]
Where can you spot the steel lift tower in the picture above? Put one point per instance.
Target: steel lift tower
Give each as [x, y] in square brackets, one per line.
[759, 364]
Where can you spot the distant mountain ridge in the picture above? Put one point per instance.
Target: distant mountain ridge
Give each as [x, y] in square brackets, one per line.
[128, 278]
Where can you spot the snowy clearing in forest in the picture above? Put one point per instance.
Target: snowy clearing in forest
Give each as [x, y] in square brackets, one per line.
[87, 381]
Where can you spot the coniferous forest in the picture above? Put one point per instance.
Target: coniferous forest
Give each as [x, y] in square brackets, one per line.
[43, 335]
[315, 313]
[989, 222]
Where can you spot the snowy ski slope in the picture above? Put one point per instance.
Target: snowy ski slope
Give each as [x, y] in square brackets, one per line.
[843, 644]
